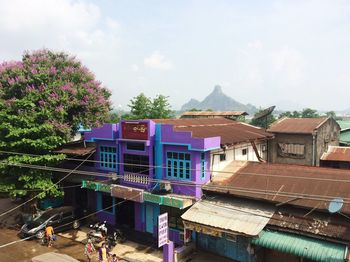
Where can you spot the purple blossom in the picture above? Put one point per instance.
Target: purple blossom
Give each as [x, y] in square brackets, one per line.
[84, 101]
[66, 87]
[53, 70]
[33, 71]
[30, 88]
[59, 109]
[53, 95]
[42, 103]
[11, 81]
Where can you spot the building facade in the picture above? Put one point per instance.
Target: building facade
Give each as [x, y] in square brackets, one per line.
[302, 141]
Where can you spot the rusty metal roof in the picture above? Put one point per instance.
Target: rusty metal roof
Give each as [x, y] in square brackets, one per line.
[297, 125]
[317, 223]
[77, 150]
[215, 113]
[238, 216]
[337, 153]
[231, 132]
[290, 184]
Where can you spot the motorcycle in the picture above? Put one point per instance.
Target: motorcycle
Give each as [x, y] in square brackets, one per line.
[99, 232]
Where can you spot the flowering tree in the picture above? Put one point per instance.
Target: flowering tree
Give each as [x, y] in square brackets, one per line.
[43, 100]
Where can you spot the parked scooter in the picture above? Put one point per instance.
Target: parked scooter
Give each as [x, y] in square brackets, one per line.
[99, 232]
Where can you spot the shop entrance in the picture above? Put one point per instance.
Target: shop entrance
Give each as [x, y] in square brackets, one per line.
[125, 214]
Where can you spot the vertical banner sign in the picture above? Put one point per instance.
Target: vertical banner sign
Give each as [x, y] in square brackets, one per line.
[162, 229]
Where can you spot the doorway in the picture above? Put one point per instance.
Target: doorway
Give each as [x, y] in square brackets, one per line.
[125, 214]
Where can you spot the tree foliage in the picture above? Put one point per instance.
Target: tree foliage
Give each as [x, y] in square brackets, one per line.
[305, 113]
[263, 122]
[143, 107]
[43, 100]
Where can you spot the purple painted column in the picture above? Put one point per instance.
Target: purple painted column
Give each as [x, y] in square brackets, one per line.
[168, 252]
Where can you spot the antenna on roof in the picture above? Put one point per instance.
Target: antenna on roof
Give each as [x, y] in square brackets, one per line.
[335, 205]
[264, 114]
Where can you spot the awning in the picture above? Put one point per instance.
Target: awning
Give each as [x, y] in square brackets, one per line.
[228, 215]
[128, 193]
[302, 246]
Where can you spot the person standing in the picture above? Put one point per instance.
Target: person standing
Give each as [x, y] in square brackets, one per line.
[49, 234]
[103, 253]
[89, 250]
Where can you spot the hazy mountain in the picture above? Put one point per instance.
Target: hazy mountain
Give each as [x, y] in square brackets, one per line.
[193, 103]
[218, 101]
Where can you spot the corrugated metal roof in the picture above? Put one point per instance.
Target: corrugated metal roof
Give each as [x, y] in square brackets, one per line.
[282, 180]
[337, 153]
[296, 125]
[344, 125]
[301, 246]
[317, 223]
[77, 151]
[344, 136]
[215, 113]
[239, 216]
[231, 132]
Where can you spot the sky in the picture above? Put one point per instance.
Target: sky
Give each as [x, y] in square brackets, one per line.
[288, 53]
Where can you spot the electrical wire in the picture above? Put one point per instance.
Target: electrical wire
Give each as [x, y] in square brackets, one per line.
[220, 187]
[193, 169]
[91, 214]
[36, 196]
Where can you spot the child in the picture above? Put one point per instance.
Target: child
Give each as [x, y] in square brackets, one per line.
[89, 250]
[114, 258]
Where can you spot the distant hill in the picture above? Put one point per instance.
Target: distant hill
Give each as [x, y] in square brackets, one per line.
[218, 101]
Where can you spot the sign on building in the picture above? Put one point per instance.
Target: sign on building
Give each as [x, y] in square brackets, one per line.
[135, 130]
[162, 229]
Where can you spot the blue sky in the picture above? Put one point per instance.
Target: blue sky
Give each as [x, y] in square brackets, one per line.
[260, 52]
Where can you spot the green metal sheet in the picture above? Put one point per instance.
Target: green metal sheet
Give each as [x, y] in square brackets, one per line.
[343, 124]
[301, 246]
[345, 136]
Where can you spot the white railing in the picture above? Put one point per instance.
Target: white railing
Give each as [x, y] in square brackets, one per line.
[136, 178]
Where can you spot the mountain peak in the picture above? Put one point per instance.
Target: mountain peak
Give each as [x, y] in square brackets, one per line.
[217, 89]
[218, 101]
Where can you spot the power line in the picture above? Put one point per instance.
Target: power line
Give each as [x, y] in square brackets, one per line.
[91, 214]
[36, 196]
[193, 169]
[219, 187]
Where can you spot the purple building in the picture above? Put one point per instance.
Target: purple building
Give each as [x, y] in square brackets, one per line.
[151, 169]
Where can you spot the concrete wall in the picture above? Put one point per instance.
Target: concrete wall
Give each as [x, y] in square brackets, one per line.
[327, 135]
[301, 139]
[235, 153]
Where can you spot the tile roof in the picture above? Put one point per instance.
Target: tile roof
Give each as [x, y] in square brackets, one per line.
[337, 153]
[292, 184]
[215, 113]
[297, 125]
[231, 132]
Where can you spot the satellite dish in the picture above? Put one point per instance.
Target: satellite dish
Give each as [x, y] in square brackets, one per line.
[264, 113]
[335, 205]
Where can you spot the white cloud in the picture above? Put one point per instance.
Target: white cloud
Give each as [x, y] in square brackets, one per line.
[135, 68]
[111, 23]
[157, 61]
[257, 44]
[290, 63]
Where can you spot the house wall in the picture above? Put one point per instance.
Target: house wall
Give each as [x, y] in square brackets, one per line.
[236, 153]
[327, 135]
[302, 139]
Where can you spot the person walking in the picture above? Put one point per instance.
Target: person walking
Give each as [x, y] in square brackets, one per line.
[49, 234]
[103, 253]
[89, 250]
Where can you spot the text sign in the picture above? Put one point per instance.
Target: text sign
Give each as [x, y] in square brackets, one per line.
[162, 229]
[135, 130]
